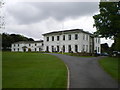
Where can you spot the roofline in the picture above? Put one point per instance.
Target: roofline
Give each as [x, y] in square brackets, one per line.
[64, 31]
[27, 42]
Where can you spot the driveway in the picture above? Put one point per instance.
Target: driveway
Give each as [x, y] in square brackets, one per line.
[86, 72]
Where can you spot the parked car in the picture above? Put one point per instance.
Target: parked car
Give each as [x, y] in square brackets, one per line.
[104, 54]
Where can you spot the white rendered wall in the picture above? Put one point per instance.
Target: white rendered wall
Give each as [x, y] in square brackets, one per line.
[32, 47]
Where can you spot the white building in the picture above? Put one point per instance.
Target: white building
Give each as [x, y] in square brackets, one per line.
[27, 46]
[75, 40]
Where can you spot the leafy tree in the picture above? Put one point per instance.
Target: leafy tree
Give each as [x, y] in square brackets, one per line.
[107, 22]
[8, 39]
[105, 48]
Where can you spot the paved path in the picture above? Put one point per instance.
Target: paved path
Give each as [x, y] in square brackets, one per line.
[86, 72]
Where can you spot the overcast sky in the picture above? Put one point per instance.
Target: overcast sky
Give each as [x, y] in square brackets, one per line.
[32, 19]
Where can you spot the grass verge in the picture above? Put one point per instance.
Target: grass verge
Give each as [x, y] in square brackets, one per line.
[32, 70]
[110, 65]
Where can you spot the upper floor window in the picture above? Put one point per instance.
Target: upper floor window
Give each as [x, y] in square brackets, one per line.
[76, 36]
[98, 40]
[83, 36]
[86, 37]
[29, 44]
[58, 38]
[35, 44]
[14, 45]
[18, 45]
[69, 37]
[52, 38]
[47, 38]
[63, 37]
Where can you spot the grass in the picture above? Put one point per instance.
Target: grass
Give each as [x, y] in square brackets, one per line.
[32, 70]
[111, 65]
[70, 54]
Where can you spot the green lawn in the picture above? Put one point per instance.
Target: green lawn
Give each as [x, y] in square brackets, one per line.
[111, 65]
[32, 70]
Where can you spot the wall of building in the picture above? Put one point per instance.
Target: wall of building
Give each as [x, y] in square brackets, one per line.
[82, 42]
[33, 46]
[97, 46]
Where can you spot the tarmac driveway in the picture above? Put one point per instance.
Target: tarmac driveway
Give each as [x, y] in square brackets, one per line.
[86, 72]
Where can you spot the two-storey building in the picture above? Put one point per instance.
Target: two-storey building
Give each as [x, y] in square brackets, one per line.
[75, 40]
[23, 46]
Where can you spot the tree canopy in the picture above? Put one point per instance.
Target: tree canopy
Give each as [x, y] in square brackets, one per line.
[107, 22]
[8, 39]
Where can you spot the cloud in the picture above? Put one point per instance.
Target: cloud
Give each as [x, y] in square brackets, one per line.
[27, 13]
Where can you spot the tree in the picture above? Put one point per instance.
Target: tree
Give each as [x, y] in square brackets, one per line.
[8, 39]
[104, 48]
[107, 22]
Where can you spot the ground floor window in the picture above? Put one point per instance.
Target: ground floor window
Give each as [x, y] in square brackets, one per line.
[86, 48]
[76, 48]
[18, 49]
[58, 49]
[63, 48]
[98, 49]
[40, 49]
[52, 48]
[83, 48]
[35, 49]
[69, 48]
[47, 48]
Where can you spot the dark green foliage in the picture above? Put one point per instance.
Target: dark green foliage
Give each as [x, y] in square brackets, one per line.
[108, 21]
[8, 39]
[104, 48]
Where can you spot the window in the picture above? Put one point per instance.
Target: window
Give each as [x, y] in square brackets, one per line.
[52, 38]
[35, 49]
[83, 36]
[52, 48]
[69, 37]
[42, 44]
[47, 48]
[18, 45]
[69, 48]
[18, 49]
[40, 49]
[96, 40]
[63, 37]
[57, 48]
[83, 48]
[86, 48]
[76, 48]
[35, 44]
[76, 36]
[86, 37]
[47, 38]
[14, 49]
[29, 44]
[58, 38]
[63, 48]
[14, 45]
[98, 49]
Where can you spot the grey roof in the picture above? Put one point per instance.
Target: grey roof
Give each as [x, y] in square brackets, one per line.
[27, 42]
[65, 31]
